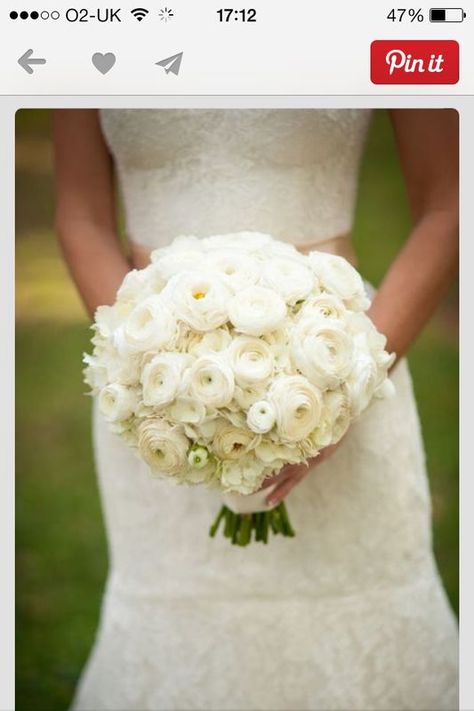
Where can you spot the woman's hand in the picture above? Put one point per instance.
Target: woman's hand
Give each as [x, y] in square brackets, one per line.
[292, 474]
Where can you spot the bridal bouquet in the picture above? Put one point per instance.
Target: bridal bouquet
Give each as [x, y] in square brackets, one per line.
[228, 357]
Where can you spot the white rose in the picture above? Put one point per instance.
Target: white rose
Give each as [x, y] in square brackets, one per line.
[150, 326]
[117, 402]
[251, 360]
[340, 278]
[211, 342]
[322, 351]
[187, 410]
[232, 442]
[237, 269]
[163, 447]
[211, 381]
[293, 281]
[261, 416]
[257, 310]
[298, 406]
[199, 299]
[243, 475]
[161, 378]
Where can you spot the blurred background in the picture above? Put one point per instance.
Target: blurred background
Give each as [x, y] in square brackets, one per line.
[61, 549]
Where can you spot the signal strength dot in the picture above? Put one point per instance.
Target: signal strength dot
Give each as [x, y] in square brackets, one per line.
[139, 13]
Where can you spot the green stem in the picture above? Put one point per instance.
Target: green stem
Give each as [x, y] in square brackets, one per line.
[240, 527]
[213, 529]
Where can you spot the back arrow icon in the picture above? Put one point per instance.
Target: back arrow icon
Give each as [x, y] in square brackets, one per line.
[26, 60]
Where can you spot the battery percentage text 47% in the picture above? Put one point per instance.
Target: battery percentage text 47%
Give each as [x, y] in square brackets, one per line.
[405, 14]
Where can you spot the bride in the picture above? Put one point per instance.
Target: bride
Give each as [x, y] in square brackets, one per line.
[351, 614]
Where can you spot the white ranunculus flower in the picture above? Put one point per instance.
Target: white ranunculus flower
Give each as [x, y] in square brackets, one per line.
[246, 395]
[150, 326]
[298, 406]
[251, 360]
[163, 447]
[261, 416]
[339, 277]
[366, 336]
[198, 457]
[256, 310]
[138, 284]
[363, 381]
[232, 442]
[176, 262]
[322, 350]
[95, 373]
[275, 455]
[109, 318]
[243, 241]
[244, 475]
[183, 243]
[236, 269]
[324, 306]
[211, 342]
[187, 410]
[386, 389]
[117, 402]
[161, 378]
[122, 367]
[201, 468]
[199, 299]
[339, 407]
[211, 381]
[279, 342]
[291, 280]
[286, 250]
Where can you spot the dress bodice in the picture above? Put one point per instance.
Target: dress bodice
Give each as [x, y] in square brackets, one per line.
[290, 173]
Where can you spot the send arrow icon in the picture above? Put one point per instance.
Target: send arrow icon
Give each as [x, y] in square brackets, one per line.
[171, 64]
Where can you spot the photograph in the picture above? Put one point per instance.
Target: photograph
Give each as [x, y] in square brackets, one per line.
[237, 409]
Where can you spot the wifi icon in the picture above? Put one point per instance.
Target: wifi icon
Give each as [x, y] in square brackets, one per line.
[139, 13]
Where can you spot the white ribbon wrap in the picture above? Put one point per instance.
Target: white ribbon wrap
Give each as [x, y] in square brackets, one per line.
[251, 503]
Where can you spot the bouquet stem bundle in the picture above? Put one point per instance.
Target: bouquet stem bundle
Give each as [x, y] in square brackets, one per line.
[239, 528]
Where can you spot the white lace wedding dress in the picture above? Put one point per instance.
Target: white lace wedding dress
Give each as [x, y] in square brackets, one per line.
[351, 613]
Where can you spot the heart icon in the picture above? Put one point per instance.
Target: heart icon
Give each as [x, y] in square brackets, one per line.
[103, 62]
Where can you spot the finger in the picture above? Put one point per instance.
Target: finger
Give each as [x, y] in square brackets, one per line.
[282, 474]
[283, 489]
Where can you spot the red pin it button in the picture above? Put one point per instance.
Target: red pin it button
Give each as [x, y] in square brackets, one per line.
[414, 62]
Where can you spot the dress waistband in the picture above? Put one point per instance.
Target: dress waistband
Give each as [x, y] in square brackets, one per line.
[340, 245]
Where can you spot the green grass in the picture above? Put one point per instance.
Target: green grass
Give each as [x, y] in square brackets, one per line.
[61, 552]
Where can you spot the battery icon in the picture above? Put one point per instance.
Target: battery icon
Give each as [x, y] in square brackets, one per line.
[447, 14]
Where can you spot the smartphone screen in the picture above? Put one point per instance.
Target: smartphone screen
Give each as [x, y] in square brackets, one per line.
[230, 311]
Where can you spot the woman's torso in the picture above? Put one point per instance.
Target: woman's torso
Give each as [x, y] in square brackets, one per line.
[290, 173]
